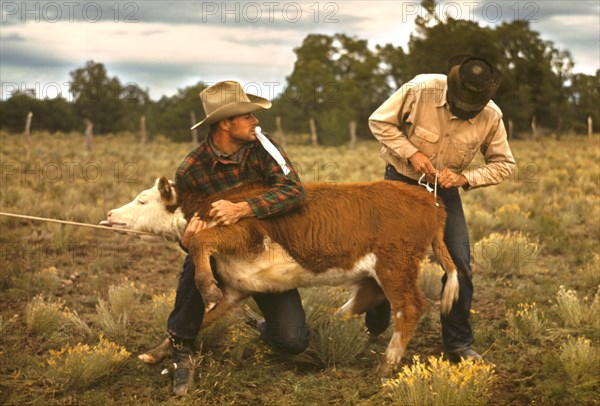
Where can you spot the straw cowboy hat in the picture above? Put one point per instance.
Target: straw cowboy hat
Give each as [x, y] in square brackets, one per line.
[472, 82]
[227, 99]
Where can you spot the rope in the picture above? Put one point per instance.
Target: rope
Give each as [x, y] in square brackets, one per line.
[429, 188]
[74, 223]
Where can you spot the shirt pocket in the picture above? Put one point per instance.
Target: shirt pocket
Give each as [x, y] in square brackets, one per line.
[465, 152]
[427, 141]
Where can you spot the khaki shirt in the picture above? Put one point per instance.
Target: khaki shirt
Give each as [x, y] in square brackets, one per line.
[417, 118]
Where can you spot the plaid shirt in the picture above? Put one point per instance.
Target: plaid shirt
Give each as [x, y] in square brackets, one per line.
[206, 172]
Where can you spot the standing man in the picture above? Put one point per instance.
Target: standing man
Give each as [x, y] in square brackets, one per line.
[233, 154]
[434, 125]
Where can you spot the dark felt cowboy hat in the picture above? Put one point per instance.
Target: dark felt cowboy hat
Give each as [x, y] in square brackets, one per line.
[472, 82]
[227, 99]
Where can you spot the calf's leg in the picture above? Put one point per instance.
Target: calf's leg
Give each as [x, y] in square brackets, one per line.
[230, 299]
[202, 246]
[235, 240]
[400, 285]
[367, 295]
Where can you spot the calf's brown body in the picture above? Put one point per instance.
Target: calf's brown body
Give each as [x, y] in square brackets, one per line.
[375, 233]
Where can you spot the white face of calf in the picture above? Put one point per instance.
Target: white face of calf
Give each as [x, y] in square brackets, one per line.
[149, 212]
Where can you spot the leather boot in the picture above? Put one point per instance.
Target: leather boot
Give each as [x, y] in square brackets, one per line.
[182, 367]
[466, 353]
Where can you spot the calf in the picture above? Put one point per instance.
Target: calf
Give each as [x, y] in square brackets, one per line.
[369, 235]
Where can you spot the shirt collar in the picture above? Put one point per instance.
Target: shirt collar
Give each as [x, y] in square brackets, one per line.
[215, 150]
[219, 156]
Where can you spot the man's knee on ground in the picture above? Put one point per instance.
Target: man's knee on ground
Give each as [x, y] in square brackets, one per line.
[294, 347]
[288, 338]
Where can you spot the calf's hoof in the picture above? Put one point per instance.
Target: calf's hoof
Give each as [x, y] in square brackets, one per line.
[386, 370]
[211, 296]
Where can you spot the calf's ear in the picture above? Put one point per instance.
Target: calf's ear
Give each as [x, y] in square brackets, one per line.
[167, 194]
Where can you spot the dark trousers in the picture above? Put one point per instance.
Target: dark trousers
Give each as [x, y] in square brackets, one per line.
[456, 326]
[285, 326]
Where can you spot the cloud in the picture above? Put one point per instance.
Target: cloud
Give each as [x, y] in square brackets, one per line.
[583, 43]
[179, 44]
[545, 9]
[303, 15]
[11, 38]
[168, 45]
[15, 54]
[164, 79]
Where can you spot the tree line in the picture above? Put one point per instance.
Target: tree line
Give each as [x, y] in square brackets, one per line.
[337, 79]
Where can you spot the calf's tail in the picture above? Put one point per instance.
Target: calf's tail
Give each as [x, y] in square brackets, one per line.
[450, 293]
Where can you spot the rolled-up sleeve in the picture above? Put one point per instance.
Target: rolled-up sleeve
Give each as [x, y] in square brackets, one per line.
[386, 121]
[499, 160]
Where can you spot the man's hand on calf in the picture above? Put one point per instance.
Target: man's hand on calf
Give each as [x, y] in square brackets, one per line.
[422, 164]
[225, 212]
[194, 226]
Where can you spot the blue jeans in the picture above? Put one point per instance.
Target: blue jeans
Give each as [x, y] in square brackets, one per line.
[285, 328]
[457, 333]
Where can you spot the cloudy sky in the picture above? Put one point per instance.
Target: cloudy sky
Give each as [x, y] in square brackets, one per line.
[163, 46]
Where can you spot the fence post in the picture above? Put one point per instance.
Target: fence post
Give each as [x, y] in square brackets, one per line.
[27, 134]
[534, 128]
[89, 134]
[279, 134]
[143, 130]
[352, 134]
[590, 127]
[313, 132]
[510, 129]
[194, 131]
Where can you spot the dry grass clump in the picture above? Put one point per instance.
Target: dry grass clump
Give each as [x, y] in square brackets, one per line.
[113, 315]
[510, 217]
[82, 366]
[505, 254]
[526, 323]
[334, 340]
[572, 375]
[480, 222]
[588, 274]
[49, 319]
[124, 298]
[438, 382]
[575, 313]
[580, 361]
[24, 286]
[42, 317]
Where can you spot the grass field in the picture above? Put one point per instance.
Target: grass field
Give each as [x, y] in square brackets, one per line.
[78, 304]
